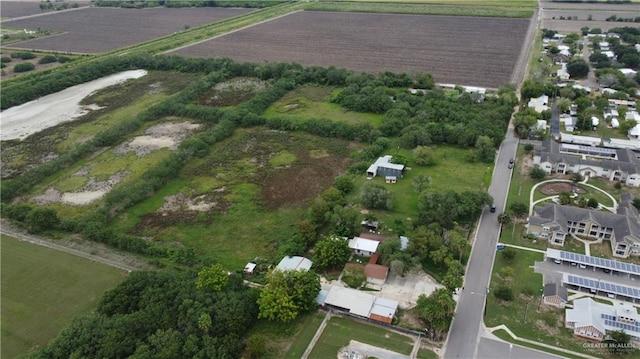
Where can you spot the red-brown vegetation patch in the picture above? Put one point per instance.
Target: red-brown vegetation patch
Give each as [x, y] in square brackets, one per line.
[551, 189]
[302, 181]
[454, 49]
[100, 29]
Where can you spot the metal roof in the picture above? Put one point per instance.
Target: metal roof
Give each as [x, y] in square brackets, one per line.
[601, 285]
[594, 261]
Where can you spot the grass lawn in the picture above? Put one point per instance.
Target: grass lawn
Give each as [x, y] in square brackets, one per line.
[502, 334]
[521, 183]
[308, 102]
[287, 340]
[426, 354]
[339, 331]
[42, 289]
[304, 334]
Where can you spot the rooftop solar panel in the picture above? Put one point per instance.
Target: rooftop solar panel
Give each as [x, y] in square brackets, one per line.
[604, 286]
[594, 261]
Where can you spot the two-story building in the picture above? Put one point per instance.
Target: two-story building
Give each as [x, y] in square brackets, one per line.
[554, 223]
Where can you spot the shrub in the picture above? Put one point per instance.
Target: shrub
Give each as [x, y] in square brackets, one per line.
[508, 254]
[354, 277]
[592, 202]
[528, 148]
[63, 59]
[23, 55]
[47, 59]
[27, 66]
[4, 59]
[537, 173]
[504, 293]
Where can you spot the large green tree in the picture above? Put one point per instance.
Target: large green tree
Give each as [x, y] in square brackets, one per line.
[287, 294]
[331, 252]
[436, 311]
[376, 196]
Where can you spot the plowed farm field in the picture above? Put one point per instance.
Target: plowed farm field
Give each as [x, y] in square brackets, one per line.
[476, 51]
[95, 30]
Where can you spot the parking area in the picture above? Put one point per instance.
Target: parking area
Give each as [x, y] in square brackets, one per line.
[589, 279]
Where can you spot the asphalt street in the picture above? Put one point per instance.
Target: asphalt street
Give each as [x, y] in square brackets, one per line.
[464, 335]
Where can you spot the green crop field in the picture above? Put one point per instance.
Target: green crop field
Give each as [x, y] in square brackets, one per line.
[494, 8]
[42, 289]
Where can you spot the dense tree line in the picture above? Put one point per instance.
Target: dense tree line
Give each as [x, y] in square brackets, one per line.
[161, 315]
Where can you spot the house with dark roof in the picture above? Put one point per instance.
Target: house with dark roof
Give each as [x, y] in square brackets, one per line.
[555, 294]
[613, 164]
[554, 222]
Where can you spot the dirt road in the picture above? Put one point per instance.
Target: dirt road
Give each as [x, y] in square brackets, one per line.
[89, 250]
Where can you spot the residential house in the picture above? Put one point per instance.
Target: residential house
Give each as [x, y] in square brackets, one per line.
[363, 246]
[555, 294]
[629, 73]
[539, 104]
[294, 263]
[384, 167]
[358, 303]
[568, 121]
[592, 320]
[376, 273]
[554, 222]
[562, 73]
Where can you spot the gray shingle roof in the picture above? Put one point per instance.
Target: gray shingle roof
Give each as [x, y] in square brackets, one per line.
[552, 213]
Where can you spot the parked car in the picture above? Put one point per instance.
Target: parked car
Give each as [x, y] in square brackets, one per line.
[574, 264]
[493, 208]
[557, 261]
[583, 266]
[510, 165]
[606, 270]
[511, 161]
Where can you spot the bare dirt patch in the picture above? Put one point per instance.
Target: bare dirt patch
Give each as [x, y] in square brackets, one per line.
[305, 179]
[551, 189]
[463, 50]
[183, 208]
[166, 135]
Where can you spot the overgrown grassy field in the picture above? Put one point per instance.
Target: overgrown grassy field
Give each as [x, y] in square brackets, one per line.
[339, 331]
[42, 289]
[257, 183]
[312, 102]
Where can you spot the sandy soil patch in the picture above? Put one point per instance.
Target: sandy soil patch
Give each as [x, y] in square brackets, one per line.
[561, 187]
[358, 350]
[90, 192]
[19, 122]
[166, 135]
[407, 289]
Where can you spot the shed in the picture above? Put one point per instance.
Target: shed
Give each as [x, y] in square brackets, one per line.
[294, 263]
[249, 267]
[404, 243]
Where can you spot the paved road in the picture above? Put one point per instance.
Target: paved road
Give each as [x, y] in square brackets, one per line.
[491, 348]
[464, 334]
[7, 229]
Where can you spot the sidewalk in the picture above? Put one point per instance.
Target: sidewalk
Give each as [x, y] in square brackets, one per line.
[541, 345]
[525, 248]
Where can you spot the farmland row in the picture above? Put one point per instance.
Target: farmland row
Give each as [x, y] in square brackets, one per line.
[473, 51]
[173, 40]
